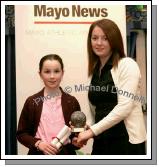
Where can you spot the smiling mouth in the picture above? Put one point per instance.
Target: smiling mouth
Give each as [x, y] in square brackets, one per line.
[99, 49]
[52, 82]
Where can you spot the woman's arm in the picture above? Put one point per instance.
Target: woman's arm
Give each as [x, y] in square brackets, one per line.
[128, 81]
[129, 76]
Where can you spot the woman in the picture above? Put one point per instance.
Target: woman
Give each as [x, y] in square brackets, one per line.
[45, 113]
[119, 123]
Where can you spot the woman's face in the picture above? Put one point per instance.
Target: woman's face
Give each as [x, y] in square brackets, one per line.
[100, 43]
[51, 74]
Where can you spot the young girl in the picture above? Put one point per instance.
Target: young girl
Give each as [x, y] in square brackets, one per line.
[45, 113]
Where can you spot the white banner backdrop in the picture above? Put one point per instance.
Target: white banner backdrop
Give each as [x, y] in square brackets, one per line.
[62, 30]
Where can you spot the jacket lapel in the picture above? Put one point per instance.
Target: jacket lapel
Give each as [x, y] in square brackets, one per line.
[65, 102]
[38, 108]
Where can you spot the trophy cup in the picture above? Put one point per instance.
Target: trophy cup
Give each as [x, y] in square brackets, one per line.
[78, 121]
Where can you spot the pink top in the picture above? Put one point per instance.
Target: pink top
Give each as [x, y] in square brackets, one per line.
[52, 119]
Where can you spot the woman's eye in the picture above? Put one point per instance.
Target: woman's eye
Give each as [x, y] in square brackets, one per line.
[102, 38]
[94, 38]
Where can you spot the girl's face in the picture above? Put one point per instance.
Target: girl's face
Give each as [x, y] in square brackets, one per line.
[51, 74]
[100, 43]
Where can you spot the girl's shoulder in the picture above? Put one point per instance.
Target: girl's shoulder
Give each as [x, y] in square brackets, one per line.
[68, 97]
[35, 97]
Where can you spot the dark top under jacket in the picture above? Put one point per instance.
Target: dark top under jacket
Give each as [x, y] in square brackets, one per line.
[30, 118]
[103, 96]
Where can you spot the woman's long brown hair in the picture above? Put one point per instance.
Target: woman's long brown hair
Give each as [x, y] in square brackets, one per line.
[114, 37]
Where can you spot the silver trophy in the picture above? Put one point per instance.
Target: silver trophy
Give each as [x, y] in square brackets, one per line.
[78, 121]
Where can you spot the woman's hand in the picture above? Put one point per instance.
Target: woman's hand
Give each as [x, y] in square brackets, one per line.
[84, 136]
[74, 142]
[47, 148]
